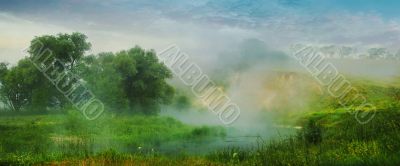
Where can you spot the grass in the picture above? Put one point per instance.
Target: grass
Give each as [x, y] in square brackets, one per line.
[340, 143]
[333, 138]
[329, 136]
[57, 138]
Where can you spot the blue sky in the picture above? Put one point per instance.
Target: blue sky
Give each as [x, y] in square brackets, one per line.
[200, 26]
[386, 8]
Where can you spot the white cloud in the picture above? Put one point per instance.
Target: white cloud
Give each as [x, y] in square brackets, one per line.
[200, 34]
[16, 33]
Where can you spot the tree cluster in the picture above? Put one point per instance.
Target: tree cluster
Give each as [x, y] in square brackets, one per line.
[130, 80]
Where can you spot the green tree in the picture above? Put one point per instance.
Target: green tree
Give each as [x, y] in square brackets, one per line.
[103, 80]
[129, 80]
[17, 83]
[3, 70]
[145, 87]
[182, 102]
[68, 48]
[24, 86]
[312, 132]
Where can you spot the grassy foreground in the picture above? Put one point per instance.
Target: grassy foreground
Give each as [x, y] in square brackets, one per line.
[328, 139]
[329, 136]
[45, 139]
[332, 138]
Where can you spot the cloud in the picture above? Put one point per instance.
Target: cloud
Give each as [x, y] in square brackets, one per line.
[203, 28]
[16, 34]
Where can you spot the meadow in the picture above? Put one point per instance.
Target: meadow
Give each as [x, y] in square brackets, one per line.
[287, 117]
[38, 138]
[328, 136]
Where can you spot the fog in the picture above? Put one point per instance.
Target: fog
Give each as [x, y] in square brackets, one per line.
[269, 85]
[242, 46]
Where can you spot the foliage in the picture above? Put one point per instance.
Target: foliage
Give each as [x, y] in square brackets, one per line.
[67, 48]
[56, 138]
[132, 80]
[17, 84]
[24, 87]
[312, 132]
[343, 143]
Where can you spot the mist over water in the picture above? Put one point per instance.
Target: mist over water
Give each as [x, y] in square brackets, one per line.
[289, 113]
[244, 74]
[267, 84]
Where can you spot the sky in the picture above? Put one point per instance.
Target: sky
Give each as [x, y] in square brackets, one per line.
[201, 28]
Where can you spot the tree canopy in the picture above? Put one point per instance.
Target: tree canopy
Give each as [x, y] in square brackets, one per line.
[130, 80]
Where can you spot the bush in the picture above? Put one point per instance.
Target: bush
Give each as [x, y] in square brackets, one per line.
[312, 132]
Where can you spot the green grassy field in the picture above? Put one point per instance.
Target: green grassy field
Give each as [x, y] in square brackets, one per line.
[44, 138]
[329, 135]
[327, 139]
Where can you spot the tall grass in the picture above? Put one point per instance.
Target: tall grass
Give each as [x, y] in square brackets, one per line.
[32, 139]
[326, 141]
